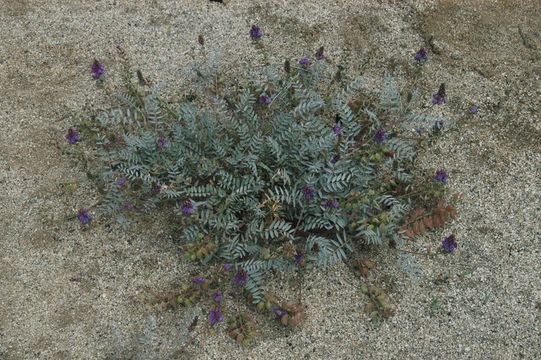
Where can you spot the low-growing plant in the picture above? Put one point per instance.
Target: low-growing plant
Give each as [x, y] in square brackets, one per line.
[288, 170]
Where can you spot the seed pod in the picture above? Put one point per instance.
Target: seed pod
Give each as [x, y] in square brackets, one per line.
[287, 66]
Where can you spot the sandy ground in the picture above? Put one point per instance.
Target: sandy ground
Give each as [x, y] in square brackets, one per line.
[66, 293]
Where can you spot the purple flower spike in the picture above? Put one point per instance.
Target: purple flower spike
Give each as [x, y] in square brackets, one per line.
[84, 217]
[217, 296]
[319, 54]
[97, 69]
[304, 61]
[156, 189]
[331, 204]
[439, 98]
[265, 100]
[337, 129]
[128, 206]
[162, 143]
[73, 136]
[441, 176]
[335, 159]
[240, 278]
[308, 192]
[279, 312]
[449, 244]
[298, 257]
[227, 267]
[188, 207]
[216, 316]
[473, 109]
[380, 136]
[198, 280]
[255, 32]
[421, 56]
[121, 182]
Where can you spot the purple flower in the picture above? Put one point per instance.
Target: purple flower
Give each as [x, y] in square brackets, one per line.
[97, 69]
[121, 181]
[265, 100]
[188, 207]
[298, 257]
[216, 316]
[162, 143]
[156, 189]
[441, 176]
[217, 296]
[198, 280]
[439, 97]
[308, 192]
[304, 61]
[241, 277]
[84, 217]
[331, 204]
[449, 243]
[73, 136]
[278, 311]
[421, 55]
[473, 109]
[335, 159]
[337, 129]
[380, 136]
[255, 32]
[227, 267]
[319, 54]
[127, 206]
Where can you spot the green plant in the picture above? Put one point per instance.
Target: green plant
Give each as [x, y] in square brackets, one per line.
[288, 170]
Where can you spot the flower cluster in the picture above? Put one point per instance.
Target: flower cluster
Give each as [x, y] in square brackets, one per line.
[121, 182]
[97, 69]
[381, 136]
[331, 204]
[240, 278]
[162, 143]
[199, 280]
[304, 61]
[188, 207]
[449, 243]
[308, 192]
[421, 55]
[439, 98]
[84, 216]
[265, 100]
[73, 136]
[441, 176]
[337, 129]
[215, 315]
[227, 267]
[256, 33]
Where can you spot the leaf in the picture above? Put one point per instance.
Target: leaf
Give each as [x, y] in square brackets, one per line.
[428, 222]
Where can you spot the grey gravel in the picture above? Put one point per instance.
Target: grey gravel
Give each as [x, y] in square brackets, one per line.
[70, 293]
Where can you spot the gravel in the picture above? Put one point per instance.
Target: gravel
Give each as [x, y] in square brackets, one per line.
[73, 293]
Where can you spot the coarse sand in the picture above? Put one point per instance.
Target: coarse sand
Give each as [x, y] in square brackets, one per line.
[71, 293]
